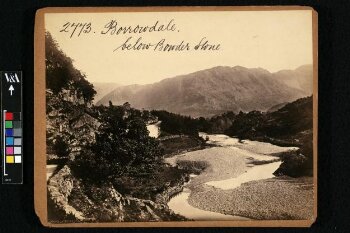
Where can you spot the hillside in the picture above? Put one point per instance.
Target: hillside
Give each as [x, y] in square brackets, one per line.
[209, 92]
[113, 142]
[103, 89]
[300, 78]
[291, 125]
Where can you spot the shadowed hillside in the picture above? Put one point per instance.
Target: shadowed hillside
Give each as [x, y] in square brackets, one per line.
[291, 125]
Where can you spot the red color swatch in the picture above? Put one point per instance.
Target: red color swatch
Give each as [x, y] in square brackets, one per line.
[9, 116]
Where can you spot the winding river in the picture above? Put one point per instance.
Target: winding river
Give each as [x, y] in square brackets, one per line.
[247, 151]
[179, 204]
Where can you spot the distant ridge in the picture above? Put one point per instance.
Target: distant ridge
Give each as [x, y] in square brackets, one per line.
[214, 91]
[300, 78]
[103, 89]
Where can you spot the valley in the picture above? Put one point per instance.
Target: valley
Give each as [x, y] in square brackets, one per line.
[225, 143]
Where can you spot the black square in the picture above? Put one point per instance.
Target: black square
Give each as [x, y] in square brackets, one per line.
[17, 116]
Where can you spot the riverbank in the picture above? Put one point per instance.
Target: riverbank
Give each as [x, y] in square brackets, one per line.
[194, 213]
[236, 179]
[221, 163]
[229, 159]
[177, 144]
[71, 199]
[280, 198]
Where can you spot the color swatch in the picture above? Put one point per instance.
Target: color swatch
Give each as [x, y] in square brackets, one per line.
[11, 127]
[13, 137]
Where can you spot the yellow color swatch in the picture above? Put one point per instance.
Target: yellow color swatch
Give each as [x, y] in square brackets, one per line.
[10, 159]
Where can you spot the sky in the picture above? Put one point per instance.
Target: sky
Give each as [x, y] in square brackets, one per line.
[273, 40]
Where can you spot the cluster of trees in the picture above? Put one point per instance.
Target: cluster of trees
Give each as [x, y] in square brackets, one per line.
[61, 74]
[177, 124]
[220, 123]
[284, 123]
[122, 147]
[247, 125]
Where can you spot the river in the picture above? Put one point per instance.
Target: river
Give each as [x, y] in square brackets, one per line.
[179, 204]
[230, 167]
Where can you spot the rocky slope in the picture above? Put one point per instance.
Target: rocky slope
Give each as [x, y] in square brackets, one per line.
[74, 126]
[69, 126]
[71, 199]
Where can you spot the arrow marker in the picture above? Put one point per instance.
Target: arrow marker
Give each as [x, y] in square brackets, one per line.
[11, 89]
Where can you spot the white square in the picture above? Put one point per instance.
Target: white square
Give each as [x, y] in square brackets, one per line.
[18, 159]
[17, 150]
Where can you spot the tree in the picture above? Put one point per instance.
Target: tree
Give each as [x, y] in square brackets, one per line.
[60, 72]
[85, 89]
[122, 148]
[177, 124]
[60, 147]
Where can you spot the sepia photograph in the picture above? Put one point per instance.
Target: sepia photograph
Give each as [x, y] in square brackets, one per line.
[179, 115]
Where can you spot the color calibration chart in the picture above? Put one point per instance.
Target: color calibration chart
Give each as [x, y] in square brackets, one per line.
[11, 128]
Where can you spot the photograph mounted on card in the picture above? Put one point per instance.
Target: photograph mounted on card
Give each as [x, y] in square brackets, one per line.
[176, 116]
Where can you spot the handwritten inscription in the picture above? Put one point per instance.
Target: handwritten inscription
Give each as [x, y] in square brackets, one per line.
[76, 28]
[137, 42]
[165, 46]
[112, 28]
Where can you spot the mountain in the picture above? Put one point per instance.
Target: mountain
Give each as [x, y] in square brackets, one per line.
[300, 78]
[103, 89]
[209, 92]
